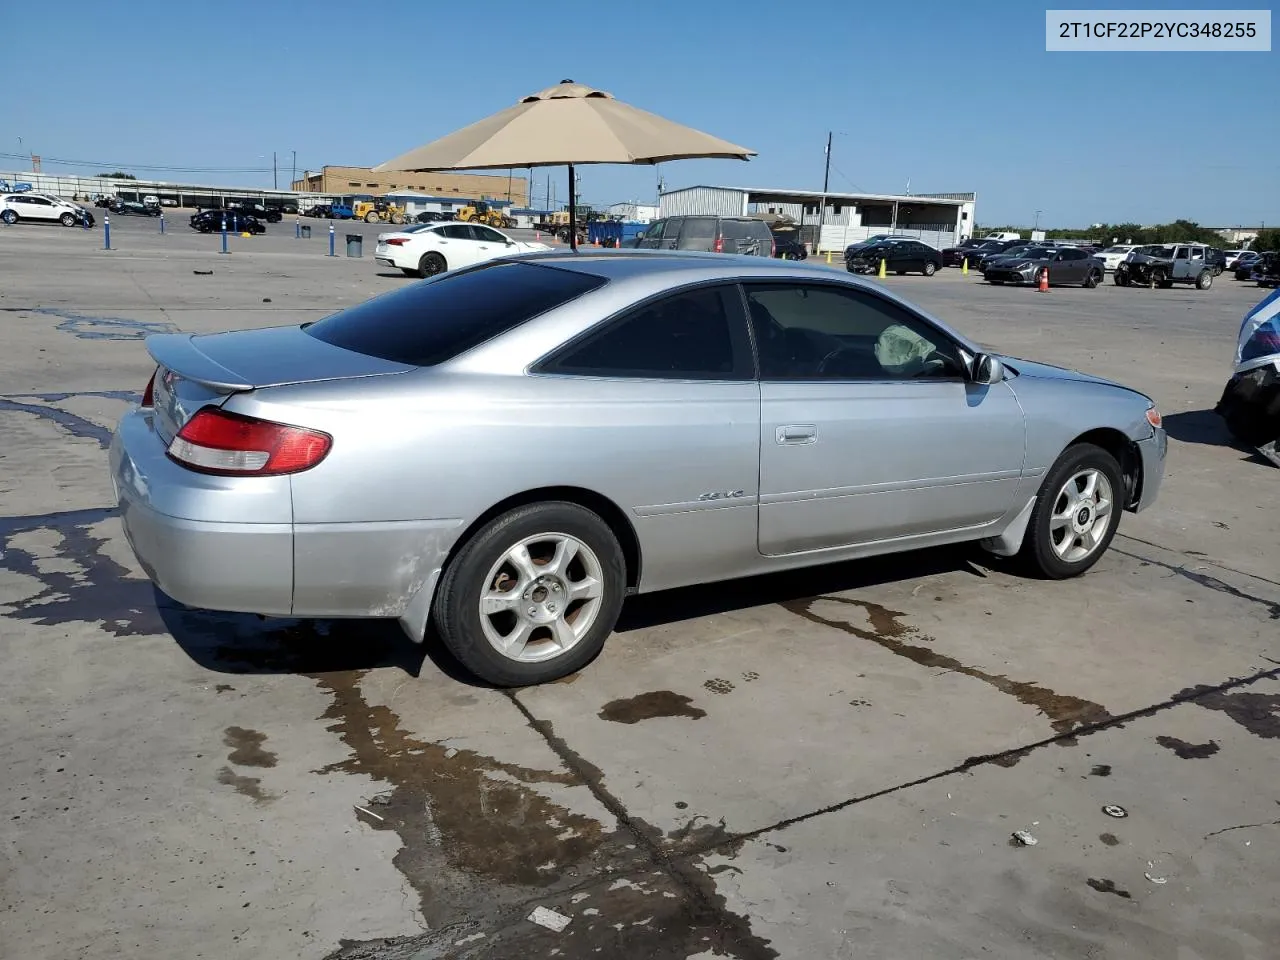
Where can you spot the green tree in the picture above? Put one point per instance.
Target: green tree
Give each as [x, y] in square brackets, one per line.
[1268, 239]
[118, 175]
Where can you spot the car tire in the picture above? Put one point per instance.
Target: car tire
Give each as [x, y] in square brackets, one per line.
[1121, 280]
[9, 217]
[1092, 280]
[431, 264]
[552, 642]
[1204, 280]
[1063, 539]
[930, 268]
[67, 220]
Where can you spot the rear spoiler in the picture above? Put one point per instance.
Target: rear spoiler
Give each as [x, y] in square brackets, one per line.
[176, 352]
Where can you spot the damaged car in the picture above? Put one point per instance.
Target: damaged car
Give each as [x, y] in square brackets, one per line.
[1163, 265]
[1250, 403]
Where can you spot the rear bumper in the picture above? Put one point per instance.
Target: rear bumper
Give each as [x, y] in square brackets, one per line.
[231, 543]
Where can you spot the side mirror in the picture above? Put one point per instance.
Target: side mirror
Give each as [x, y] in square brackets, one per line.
[987, 369]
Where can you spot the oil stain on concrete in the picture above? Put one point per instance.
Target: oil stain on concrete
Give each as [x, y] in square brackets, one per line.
[650, 706]
[250, 787]
[1065, 713]
[1188, 751]
[247, 748]
[1259, 713]
[1109, 886]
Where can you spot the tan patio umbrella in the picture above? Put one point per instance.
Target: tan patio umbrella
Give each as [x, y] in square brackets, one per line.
[565, 125]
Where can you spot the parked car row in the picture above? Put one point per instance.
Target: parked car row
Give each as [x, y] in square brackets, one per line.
[211, 221]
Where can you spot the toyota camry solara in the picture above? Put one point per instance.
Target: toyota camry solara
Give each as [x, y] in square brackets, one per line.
[505, 452]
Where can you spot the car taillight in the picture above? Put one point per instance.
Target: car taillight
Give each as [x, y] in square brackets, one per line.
[773, 248]
[230, 444]
[1154, 418]
[396, 241]
[148, 395]
[719, 245]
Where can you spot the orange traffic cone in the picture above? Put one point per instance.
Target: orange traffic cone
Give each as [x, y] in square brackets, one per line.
[1044, 280]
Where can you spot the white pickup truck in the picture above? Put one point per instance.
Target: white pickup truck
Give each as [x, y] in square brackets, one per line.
[1004, 235]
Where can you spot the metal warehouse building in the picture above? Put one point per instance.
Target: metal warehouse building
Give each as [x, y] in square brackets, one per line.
[939, 219]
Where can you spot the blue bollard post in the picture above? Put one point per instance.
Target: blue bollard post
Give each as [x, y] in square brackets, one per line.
[331, 241]
[162, 223]
[224, 234]
[106, 233]
[297, 229]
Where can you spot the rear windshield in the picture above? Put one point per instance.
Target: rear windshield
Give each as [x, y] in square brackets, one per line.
[698, 228]
[435, 320]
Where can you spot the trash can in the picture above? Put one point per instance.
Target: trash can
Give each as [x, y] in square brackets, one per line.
[306, 232]
[355, 244]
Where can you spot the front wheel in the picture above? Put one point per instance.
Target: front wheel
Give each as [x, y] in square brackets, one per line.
[370, 217]
[1122, 280]
[1076, 513]
[930, 268]
[68, 220]
[1204, 280]
[533, 595]
[1092, 279]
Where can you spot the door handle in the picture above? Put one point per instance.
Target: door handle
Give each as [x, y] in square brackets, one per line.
[796, 433]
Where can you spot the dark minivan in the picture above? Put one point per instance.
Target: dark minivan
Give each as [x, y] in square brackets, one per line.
[709, 234]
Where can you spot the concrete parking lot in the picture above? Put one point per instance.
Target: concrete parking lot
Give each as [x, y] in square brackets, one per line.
[824, 764]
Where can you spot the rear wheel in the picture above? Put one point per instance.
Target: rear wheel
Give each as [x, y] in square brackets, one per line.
[1076, 513]
[533, 595]
[930, 268]
[370, 217]
[431, 264]
[1204, 280]
[9, 217]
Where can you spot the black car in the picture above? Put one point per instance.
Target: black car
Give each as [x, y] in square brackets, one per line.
[787, 245]
[210, 221]
[1065, 265]
[992, 249]
[133, 208]
[321, 211]
[955, 256]
[899, 256]
[1217, 260]
[1266, 269]
[269, 214]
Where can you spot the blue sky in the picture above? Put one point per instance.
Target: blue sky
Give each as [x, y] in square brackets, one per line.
[953, 96]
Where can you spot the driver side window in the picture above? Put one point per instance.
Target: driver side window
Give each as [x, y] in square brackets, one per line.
[825, 332]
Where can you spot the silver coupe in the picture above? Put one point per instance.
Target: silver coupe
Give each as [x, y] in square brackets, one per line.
[505, 452]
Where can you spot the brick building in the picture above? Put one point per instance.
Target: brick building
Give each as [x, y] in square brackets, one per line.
[340, 180]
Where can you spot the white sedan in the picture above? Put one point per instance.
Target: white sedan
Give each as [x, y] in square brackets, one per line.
[1112, 256]
[425, 249]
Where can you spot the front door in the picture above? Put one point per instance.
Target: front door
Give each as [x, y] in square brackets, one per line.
[489, 242]
[870, 430]
[38, 208]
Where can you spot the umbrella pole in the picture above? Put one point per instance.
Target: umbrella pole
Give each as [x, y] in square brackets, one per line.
[573, 212]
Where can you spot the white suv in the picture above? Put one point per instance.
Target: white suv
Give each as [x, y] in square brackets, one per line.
[40, 206]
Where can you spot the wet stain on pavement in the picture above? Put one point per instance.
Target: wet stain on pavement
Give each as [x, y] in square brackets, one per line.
[1109, 886]
[1189, 751]
[479, 816]
[1100, 770]
[96, 589]
[247, 748]
[250, 787]
[1259, 713]
[89, 327]
[649, 706]
[75, 425]
[1110, 839]
[1211, 583]
[1065, 713]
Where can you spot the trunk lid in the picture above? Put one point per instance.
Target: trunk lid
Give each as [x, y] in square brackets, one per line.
[198, 371]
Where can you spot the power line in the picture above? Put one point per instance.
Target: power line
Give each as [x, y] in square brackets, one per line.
[165, 168]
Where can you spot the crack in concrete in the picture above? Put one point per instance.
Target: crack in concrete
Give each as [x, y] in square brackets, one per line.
[1204, 580]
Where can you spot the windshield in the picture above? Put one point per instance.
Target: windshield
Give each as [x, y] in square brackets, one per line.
[1117, 249]
[1157, 251]
[1037, 253]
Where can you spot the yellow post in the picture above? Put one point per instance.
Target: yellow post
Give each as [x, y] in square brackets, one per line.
[964, 268]
[828, 258]
[882, 273]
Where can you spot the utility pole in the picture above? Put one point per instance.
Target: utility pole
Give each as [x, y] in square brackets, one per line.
[275, 179]
[822, 206]
[295, 170]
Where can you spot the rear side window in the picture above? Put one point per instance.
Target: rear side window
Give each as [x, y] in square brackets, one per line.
[685, 336]
[698, 228]
[433, 321]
